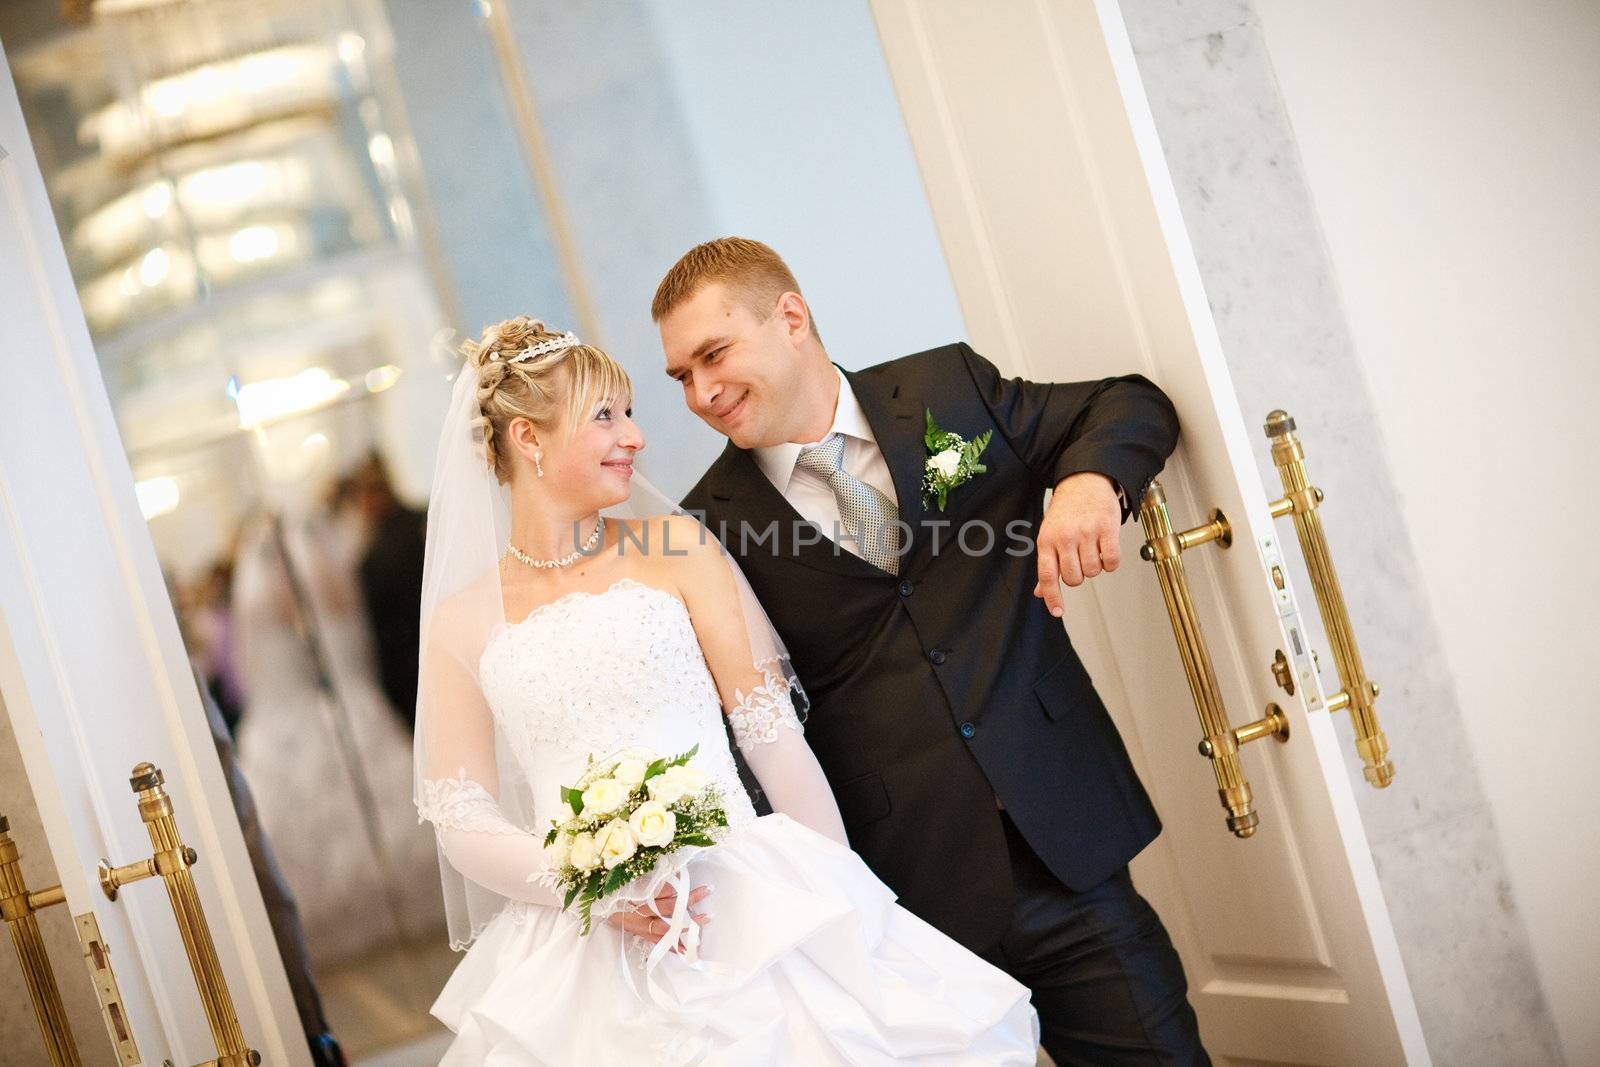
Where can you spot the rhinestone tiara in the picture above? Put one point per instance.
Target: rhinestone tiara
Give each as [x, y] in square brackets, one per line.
[554, 344]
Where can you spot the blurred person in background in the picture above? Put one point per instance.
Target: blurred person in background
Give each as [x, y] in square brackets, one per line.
[209, 633]
[328, 759]
[391, 582]
[282, 913]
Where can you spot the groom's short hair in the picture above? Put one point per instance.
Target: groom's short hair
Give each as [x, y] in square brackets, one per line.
[752, 271]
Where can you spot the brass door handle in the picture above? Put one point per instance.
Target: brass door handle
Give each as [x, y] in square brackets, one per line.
[1357, 692]
[1220, 742]
[171, 862]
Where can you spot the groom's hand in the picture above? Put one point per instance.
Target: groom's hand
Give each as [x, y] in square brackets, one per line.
[1079, 535]
[642, 922]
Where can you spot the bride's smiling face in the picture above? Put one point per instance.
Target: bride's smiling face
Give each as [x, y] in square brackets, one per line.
[591, 468]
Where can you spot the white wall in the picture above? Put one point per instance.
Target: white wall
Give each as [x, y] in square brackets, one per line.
[725, 117]
[1453, 152]
[800, 144]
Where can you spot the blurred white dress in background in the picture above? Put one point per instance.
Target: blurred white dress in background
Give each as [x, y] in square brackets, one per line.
[290, 754]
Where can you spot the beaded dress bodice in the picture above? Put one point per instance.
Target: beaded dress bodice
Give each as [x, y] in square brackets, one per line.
[589, 674]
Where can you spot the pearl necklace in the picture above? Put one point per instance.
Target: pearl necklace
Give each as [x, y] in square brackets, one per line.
[564, 561]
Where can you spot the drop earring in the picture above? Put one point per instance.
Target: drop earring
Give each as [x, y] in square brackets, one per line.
[537, 465]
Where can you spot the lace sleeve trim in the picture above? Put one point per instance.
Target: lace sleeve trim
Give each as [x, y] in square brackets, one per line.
[756, 717]
[461, 803]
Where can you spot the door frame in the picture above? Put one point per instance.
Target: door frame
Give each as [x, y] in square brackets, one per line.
[93, 670]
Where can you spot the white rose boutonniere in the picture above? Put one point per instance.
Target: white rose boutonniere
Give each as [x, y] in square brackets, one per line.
[952, 461]
[946, 462]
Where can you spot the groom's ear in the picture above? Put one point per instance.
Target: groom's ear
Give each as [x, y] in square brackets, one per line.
[796, 316]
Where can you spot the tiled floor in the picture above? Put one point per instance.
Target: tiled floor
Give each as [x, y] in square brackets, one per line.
[377, 1006]
[423, 1052]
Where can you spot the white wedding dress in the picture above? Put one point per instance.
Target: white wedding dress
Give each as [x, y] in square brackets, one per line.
[289, 753]
[806, 960]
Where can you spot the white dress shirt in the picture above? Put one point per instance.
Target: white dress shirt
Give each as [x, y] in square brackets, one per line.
[808, 493]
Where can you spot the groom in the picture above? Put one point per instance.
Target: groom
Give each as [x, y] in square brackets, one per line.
[976, 769]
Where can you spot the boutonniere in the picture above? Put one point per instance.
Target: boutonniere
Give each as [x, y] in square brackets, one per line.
[952, 461]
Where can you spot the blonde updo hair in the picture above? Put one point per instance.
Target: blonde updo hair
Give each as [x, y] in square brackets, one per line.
[554, 390]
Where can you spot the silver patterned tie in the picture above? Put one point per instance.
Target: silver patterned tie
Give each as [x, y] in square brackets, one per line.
[867, 514]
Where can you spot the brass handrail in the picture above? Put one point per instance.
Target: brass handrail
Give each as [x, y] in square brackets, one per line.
[17, 908]
[1220, 742]
[1357, 692]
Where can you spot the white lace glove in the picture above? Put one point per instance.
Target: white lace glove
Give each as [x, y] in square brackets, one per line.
[485, 846]
[769, 736]
[740, 647]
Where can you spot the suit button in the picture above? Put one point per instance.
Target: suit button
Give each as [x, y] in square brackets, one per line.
[936, 657]
[905, 587]
[967, 729]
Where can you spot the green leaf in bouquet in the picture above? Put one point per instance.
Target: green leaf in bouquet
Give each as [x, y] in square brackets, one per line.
[572, 894]
[686, 757]
[574, 798]
[656, 767]
[615, 879]
[550, 838]
[973, 449]
[695, 839]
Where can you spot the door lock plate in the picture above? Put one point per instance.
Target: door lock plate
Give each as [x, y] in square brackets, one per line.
[97, 957]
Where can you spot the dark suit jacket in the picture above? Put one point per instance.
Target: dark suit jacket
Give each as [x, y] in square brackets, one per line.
[934, 691]
[391, 585]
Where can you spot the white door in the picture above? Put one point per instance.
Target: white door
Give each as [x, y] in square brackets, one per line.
[92, 670]
[1071, 261]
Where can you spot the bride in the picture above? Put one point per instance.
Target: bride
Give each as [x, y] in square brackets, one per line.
[563, 620]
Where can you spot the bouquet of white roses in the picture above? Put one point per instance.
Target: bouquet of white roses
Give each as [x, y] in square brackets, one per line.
[625, 813]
